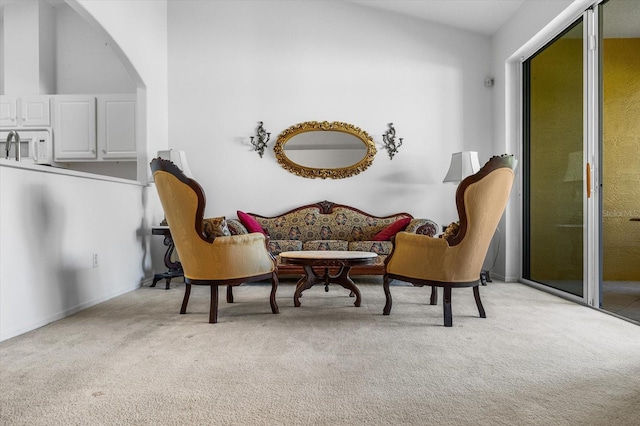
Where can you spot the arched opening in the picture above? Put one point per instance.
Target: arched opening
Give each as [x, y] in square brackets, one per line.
[72, 60]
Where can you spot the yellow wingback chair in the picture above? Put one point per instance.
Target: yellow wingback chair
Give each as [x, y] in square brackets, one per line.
[226, 260]
[456, 260]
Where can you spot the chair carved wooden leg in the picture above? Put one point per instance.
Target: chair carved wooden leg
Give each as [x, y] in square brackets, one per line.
[272, 298]
[185, 300]
[229, 294]
[213, 310]
[446, 305]
[476, 295]
[387, 293]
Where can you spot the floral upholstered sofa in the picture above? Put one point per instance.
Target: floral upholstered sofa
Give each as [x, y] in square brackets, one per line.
[329, 226]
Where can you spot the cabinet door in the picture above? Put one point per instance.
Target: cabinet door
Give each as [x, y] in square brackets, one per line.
[34, 111]
[27, 111]
[117, 127]
[8, 106]
[74, 128]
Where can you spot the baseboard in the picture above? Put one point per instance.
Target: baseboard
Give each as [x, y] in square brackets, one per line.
[146, 282]
[501, 277]
[22, 329]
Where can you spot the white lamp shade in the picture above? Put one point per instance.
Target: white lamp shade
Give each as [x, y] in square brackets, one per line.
[463, 164]
[179, 158]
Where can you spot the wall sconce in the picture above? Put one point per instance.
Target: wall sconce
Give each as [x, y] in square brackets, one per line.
[261, 139]
[389, 139]
[463, 164]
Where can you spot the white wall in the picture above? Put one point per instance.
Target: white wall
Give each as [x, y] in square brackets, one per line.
[2, 54]
[85, 61]
[51, 225]
[530, 27]
[28, 48]
[232, 64]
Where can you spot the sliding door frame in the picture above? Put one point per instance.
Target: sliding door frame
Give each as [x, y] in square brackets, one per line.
[592, 145]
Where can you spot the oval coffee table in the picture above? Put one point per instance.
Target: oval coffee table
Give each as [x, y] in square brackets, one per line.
[317, 258]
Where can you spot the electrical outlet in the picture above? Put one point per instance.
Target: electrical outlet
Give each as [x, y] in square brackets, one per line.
[95, 260]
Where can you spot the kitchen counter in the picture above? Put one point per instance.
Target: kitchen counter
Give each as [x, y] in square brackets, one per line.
[61, 171]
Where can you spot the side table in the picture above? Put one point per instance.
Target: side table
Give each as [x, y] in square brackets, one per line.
[175, 268]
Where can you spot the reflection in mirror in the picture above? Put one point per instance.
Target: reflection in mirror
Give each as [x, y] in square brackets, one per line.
[326, 150]
[322, 149]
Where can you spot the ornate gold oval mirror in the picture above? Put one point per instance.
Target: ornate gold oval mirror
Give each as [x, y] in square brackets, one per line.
[316, 149]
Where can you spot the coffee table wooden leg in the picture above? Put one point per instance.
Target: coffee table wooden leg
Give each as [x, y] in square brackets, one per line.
[306, 282]
[343, 279]
[311, 278]
[299, 289]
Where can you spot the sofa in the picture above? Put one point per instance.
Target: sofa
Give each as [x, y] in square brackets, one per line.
[329, 226]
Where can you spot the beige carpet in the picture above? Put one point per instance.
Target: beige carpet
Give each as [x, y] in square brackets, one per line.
[536, 360]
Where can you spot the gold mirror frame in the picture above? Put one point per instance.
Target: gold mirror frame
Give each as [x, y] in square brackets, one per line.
[333, 173]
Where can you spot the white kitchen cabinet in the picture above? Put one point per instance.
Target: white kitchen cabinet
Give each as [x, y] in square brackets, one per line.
[34, 111]
[94, 127]
[8, 109]
[117, 127]
[74, 127]
[25, 111]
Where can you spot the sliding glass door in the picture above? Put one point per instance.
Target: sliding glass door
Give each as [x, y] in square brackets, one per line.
[553, 163]
[581, 160]
[620, 157]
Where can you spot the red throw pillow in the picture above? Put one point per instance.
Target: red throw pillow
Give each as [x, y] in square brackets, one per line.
[391, 230]
[250, 223]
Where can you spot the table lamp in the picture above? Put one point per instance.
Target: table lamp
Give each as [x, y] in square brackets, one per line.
[179, 158]
[463, 164]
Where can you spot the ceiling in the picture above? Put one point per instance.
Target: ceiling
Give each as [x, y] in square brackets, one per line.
[480, 16]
